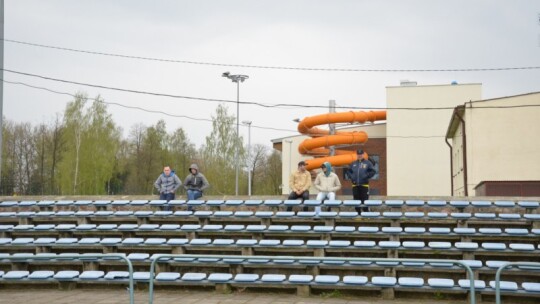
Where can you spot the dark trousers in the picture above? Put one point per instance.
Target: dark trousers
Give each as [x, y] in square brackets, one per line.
[167, 197]
[361, 193]
[304, 196]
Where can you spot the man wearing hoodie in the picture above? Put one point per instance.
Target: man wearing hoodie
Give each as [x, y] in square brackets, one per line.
[195, 183]
[167, 183]
[327, 182]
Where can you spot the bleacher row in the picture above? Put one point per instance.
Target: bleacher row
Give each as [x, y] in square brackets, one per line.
[483, 234]
[241, 280]
[178, 229]
[278, 214]
[273, 203]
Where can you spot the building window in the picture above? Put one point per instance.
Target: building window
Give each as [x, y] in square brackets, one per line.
[375, 159]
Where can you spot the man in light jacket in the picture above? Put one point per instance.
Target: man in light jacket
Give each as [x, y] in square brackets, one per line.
[327, 182]
[299, 183]
[167, 183]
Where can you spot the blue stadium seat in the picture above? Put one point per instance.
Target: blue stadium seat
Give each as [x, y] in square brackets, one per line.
[273, 278]
[253, 202]
[355, 280]
[214, 202]
[459, 204]
[183, 213]
[441, 283]
[494, 246]
[383, 281]
[393, 203]
[114, 275]
[364, 244]
[278, 228]
[522, 247]
[436, 203]
[41, 275]
[167, 276]
[220, 277]
[246, 278]
[411, 282]
[326, 279]
[66, 275]
[526, 204]
[234, 202]
[91, 275]
[293, 243]
[15, 275]
[507, 204]
[353, 203]
[273, 203]
[465, 284]
[410, 215]
[234, 227]
[531, 287]
[481, 203]
[414, 203]
[300, 279]
[269, 243]
[505, 285]
[138, 203]
[413, 245]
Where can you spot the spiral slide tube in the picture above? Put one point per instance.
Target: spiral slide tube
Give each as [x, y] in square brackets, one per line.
[321, 139]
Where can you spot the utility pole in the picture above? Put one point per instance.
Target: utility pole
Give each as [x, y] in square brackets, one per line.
[1, 83]
[332, 126]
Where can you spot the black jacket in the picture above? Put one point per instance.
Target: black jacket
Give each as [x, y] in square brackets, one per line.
[360, 171]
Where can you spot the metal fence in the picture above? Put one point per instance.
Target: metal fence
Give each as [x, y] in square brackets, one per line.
[159, 257]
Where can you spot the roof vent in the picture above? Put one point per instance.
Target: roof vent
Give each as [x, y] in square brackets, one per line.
[407, 83]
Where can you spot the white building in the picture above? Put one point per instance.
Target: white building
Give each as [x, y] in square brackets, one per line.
[418, 158]
[496, 142]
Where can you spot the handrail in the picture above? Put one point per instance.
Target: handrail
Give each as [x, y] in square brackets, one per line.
[158, 257]
[499, 272]
[85, 256]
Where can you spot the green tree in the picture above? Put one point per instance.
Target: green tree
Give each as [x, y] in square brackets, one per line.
[219, 152]
[91, 139]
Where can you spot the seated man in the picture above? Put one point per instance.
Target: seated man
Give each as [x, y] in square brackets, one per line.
[195, 183]
[327, 182]
[299, 183]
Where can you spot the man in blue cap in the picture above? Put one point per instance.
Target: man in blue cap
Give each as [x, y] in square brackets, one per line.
[359, 172]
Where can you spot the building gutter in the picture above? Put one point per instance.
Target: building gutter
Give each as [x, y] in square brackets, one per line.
[466, 186]
[451, 166]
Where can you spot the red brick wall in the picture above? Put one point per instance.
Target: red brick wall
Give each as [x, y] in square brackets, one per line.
[374, 146]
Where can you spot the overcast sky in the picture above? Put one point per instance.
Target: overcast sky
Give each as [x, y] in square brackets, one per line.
[426, 34]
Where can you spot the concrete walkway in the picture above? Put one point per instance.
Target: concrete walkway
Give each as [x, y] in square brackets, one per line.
[111, 296]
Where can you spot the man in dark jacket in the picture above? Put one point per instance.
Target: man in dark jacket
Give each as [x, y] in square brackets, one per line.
[167, 183]
[359, 172]
[195, 183]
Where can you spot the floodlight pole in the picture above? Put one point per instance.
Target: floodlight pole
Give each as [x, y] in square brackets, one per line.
[237, 79]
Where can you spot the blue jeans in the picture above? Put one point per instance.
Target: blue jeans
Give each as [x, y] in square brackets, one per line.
[193, 195]
[167, 197]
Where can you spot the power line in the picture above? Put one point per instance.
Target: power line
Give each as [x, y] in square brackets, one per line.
[267, 66]
[249, 102]
[132, 107]
[189, 117]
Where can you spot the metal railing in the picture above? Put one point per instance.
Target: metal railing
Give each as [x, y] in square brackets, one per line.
[159, 257]
[499, 272]
[109, 256]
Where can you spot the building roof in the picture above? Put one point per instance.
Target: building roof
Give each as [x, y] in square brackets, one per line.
[460, 110]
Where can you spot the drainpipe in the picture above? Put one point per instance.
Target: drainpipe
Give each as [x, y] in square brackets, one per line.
[464, 151]
[451, 168]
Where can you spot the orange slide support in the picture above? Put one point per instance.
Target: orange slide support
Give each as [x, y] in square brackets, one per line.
[317, 146]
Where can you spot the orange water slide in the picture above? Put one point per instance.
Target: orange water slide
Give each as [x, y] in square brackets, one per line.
[321, 139]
